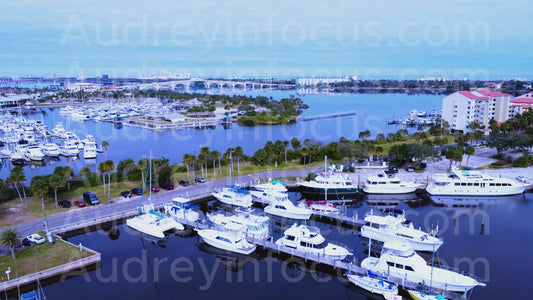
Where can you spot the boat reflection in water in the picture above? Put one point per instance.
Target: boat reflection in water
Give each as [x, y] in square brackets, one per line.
[484, 202]
[386, 202]
[233, 261]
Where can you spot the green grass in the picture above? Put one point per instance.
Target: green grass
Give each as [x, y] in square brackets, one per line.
[41, 257]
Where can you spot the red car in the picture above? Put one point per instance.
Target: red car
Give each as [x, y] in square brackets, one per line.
[155, 189]
[80, 203]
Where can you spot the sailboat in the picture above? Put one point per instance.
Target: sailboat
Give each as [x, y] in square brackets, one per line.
[148, 220]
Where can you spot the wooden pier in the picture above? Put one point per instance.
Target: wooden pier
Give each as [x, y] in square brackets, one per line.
[327, 116]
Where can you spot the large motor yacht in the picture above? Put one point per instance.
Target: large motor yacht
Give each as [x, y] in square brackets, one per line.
[393, 227]
[474, 183]
[401, 261]
[388, 184]
[234, 195]
[308, 239]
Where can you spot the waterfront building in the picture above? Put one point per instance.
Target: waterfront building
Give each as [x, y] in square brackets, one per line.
[314, 81]
[82, 86]
[524, 102]
[464, 107]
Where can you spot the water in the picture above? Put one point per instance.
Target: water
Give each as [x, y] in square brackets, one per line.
[182, 266]
[373, 111]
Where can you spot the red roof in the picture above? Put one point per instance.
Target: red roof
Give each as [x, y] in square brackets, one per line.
[490, 93]
[470, 95]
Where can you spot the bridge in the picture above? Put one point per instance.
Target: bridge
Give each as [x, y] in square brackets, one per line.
[210, 83]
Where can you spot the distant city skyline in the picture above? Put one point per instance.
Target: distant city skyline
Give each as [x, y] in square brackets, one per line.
[456, 39]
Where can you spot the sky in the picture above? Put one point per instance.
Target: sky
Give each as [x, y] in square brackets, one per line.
[405, 39]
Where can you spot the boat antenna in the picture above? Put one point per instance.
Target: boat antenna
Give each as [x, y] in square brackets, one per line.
[325, 163]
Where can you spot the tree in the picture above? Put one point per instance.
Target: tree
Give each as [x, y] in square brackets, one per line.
[55, 181]
[66, 172]
[304, 152]
[10, 238]
[39, 187]
[105, 144]
[16, 178]
[85, 173]
[295, 143]
[238, 154]
[364, 134]
[286, 145]
[109, 166]
[380, 137]
[102, 170]
[215, 155]
[469, 150]
[187, 160]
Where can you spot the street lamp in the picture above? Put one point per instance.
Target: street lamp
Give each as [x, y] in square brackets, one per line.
[8, 272]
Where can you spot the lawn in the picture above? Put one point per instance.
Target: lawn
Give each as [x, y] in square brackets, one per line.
[40, 257]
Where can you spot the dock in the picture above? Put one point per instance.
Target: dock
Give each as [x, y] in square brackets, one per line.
[327, 116]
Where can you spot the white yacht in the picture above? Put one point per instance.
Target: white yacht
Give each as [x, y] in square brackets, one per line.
[255, 224]
[473, 183]
[234, 195]
[375, 285]
[283, 207]
[59, 130]
[69, 148]
[232, 239]
[34, 153]
[89, 150]
[257, 190]
[401, 261]
[395, 228]
[148, 220]
[269, 197]
[153, 223]
[181, 209]
[50, 150]
[308, 239]
[328, 183]
[388, 184]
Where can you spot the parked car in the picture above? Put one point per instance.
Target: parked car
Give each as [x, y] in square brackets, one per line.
[184, 182]
[199, 179]
[26, 242]
[155, 189]
[64, 204]
[36, 238]
[410, 168]
[137, 191]
[393, 169]
[79, 203]
[125, 194]
[167, 186]
[90, 198]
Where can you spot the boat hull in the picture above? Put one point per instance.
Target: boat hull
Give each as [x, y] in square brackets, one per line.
[489, 191]
[304, 215]
[210, 237]
[374, 285]
[372, 233]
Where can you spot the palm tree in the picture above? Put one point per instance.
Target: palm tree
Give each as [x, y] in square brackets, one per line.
[105, 144]
[215, 155]
[85, 172]
[109, 166]
[364, 134]
[469, 150]
[143, 165]
[295, 143]
[16, 178]
[67, 174]
[238, 153]
[39, 187]
[102, 170]
[285, 146]
[187, 160]
[55, 181]
[304, 153]
[11, 239]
